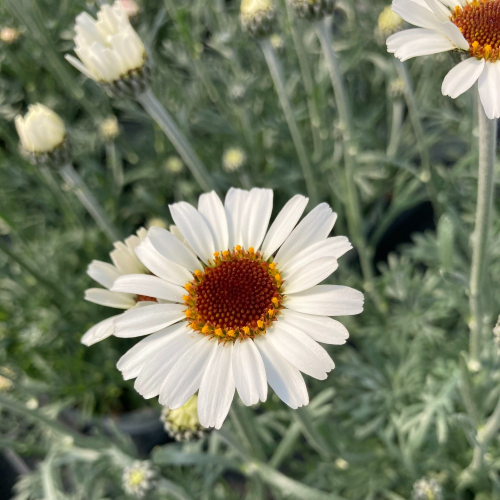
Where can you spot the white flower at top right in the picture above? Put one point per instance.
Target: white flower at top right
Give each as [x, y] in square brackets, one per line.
[471, 26]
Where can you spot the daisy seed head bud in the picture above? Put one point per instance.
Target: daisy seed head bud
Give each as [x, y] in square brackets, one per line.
[174, 165]
[427, 489]
[43, 136]
[233, 159]
[237, 92]
[138, 478]
[110, 52]
[182, 423]
[257, 17]
[388, 23]
[277, 42]
[313, 10]
[396, 88]
[109, 129]
[9, 35]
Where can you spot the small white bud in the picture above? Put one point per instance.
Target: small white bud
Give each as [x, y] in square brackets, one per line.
[40, 130]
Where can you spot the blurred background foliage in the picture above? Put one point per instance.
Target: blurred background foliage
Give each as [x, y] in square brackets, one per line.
[402, 404]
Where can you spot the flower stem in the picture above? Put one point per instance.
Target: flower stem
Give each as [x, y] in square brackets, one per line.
[246, 429]
[354, 218]
[279, 84]
[161, 116]
[308, 83]
[428, 175]
[397, 122]
[88, 200]
[487, 158]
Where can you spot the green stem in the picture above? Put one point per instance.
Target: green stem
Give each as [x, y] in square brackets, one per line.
[279, 83]
[396, 124]
[115, 164]
[428, 175]
[308, 82]
[311, 433]
[161, 116]
[245, 428]
[88, 200]
[354, 218]
[487, 159]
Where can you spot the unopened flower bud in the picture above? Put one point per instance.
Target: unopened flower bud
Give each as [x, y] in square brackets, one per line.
[396, 88]
[277, 42]
[257, 17]
[427, 489]
[9, 35]
[43, 135]
[138, 478]
[174, 165]
[110, 52]
[388, 23]
[313, 10]
[109, 129]
[183, 423]
[130, 7]
[233, 159]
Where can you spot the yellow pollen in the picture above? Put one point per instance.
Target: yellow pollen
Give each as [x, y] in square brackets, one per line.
[188, 287]
[185, 298]
[251, 250]
[216, 254]
[198, 273]
[271, 313]
[225, 253]
[231, 333]
[238, 248]
[260, 324]
[246, 330]
[205, 330]
[487, 51]
[219, 332]
[188, 314]
[277, 277]
[275, 301]
[272, 266]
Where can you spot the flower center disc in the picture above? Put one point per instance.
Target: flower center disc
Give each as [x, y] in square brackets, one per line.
[237, 296]
[479, 23]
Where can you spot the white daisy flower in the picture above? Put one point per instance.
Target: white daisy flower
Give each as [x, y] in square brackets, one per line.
[245, 308]
[138, 478]
[470, 26]
[125, 261]
[108, 48]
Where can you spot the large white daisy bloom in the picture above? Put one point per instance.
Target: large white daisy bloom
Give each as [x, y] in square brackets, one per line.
[465, 25]
[125, 261]
[41, 130]
[108, 48]
[245, 305]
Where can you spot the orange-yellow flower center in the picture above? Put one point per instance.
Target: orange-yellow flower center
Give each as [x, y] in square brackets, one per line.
[236, 297]
[479, 23]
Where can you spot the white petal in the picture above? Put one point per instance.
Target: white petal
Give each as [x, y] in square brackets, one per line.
[249, 372]
[125, 260]
[320, 328]
[415, 14]
[172, 249]
[212, 211]
[110, 299]
[259, 207]
[283, 224]
[285, 379]
[316, 226]
[300, 350]
[455, 35]
[160, 266]
[99, 332]
[157, 369]
[149, 319]
[79, 66]
[149, 286]
[440, 11]
[327, 300]
[132, 362]
[235, 204]
[217, 387]
[418, 42]
[194, 228]
[185, 377]
[105, 274]
[335, 246]
[489, 89]
[310, 275]
[462, 77]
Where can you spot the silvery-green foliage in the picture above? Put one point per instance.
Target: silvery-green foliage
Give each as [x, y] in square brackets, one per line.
[403, 402]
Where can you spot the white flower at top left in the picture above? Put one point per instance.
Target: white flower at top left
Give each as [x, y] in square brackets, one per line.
[108, 48]
[125, 261]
